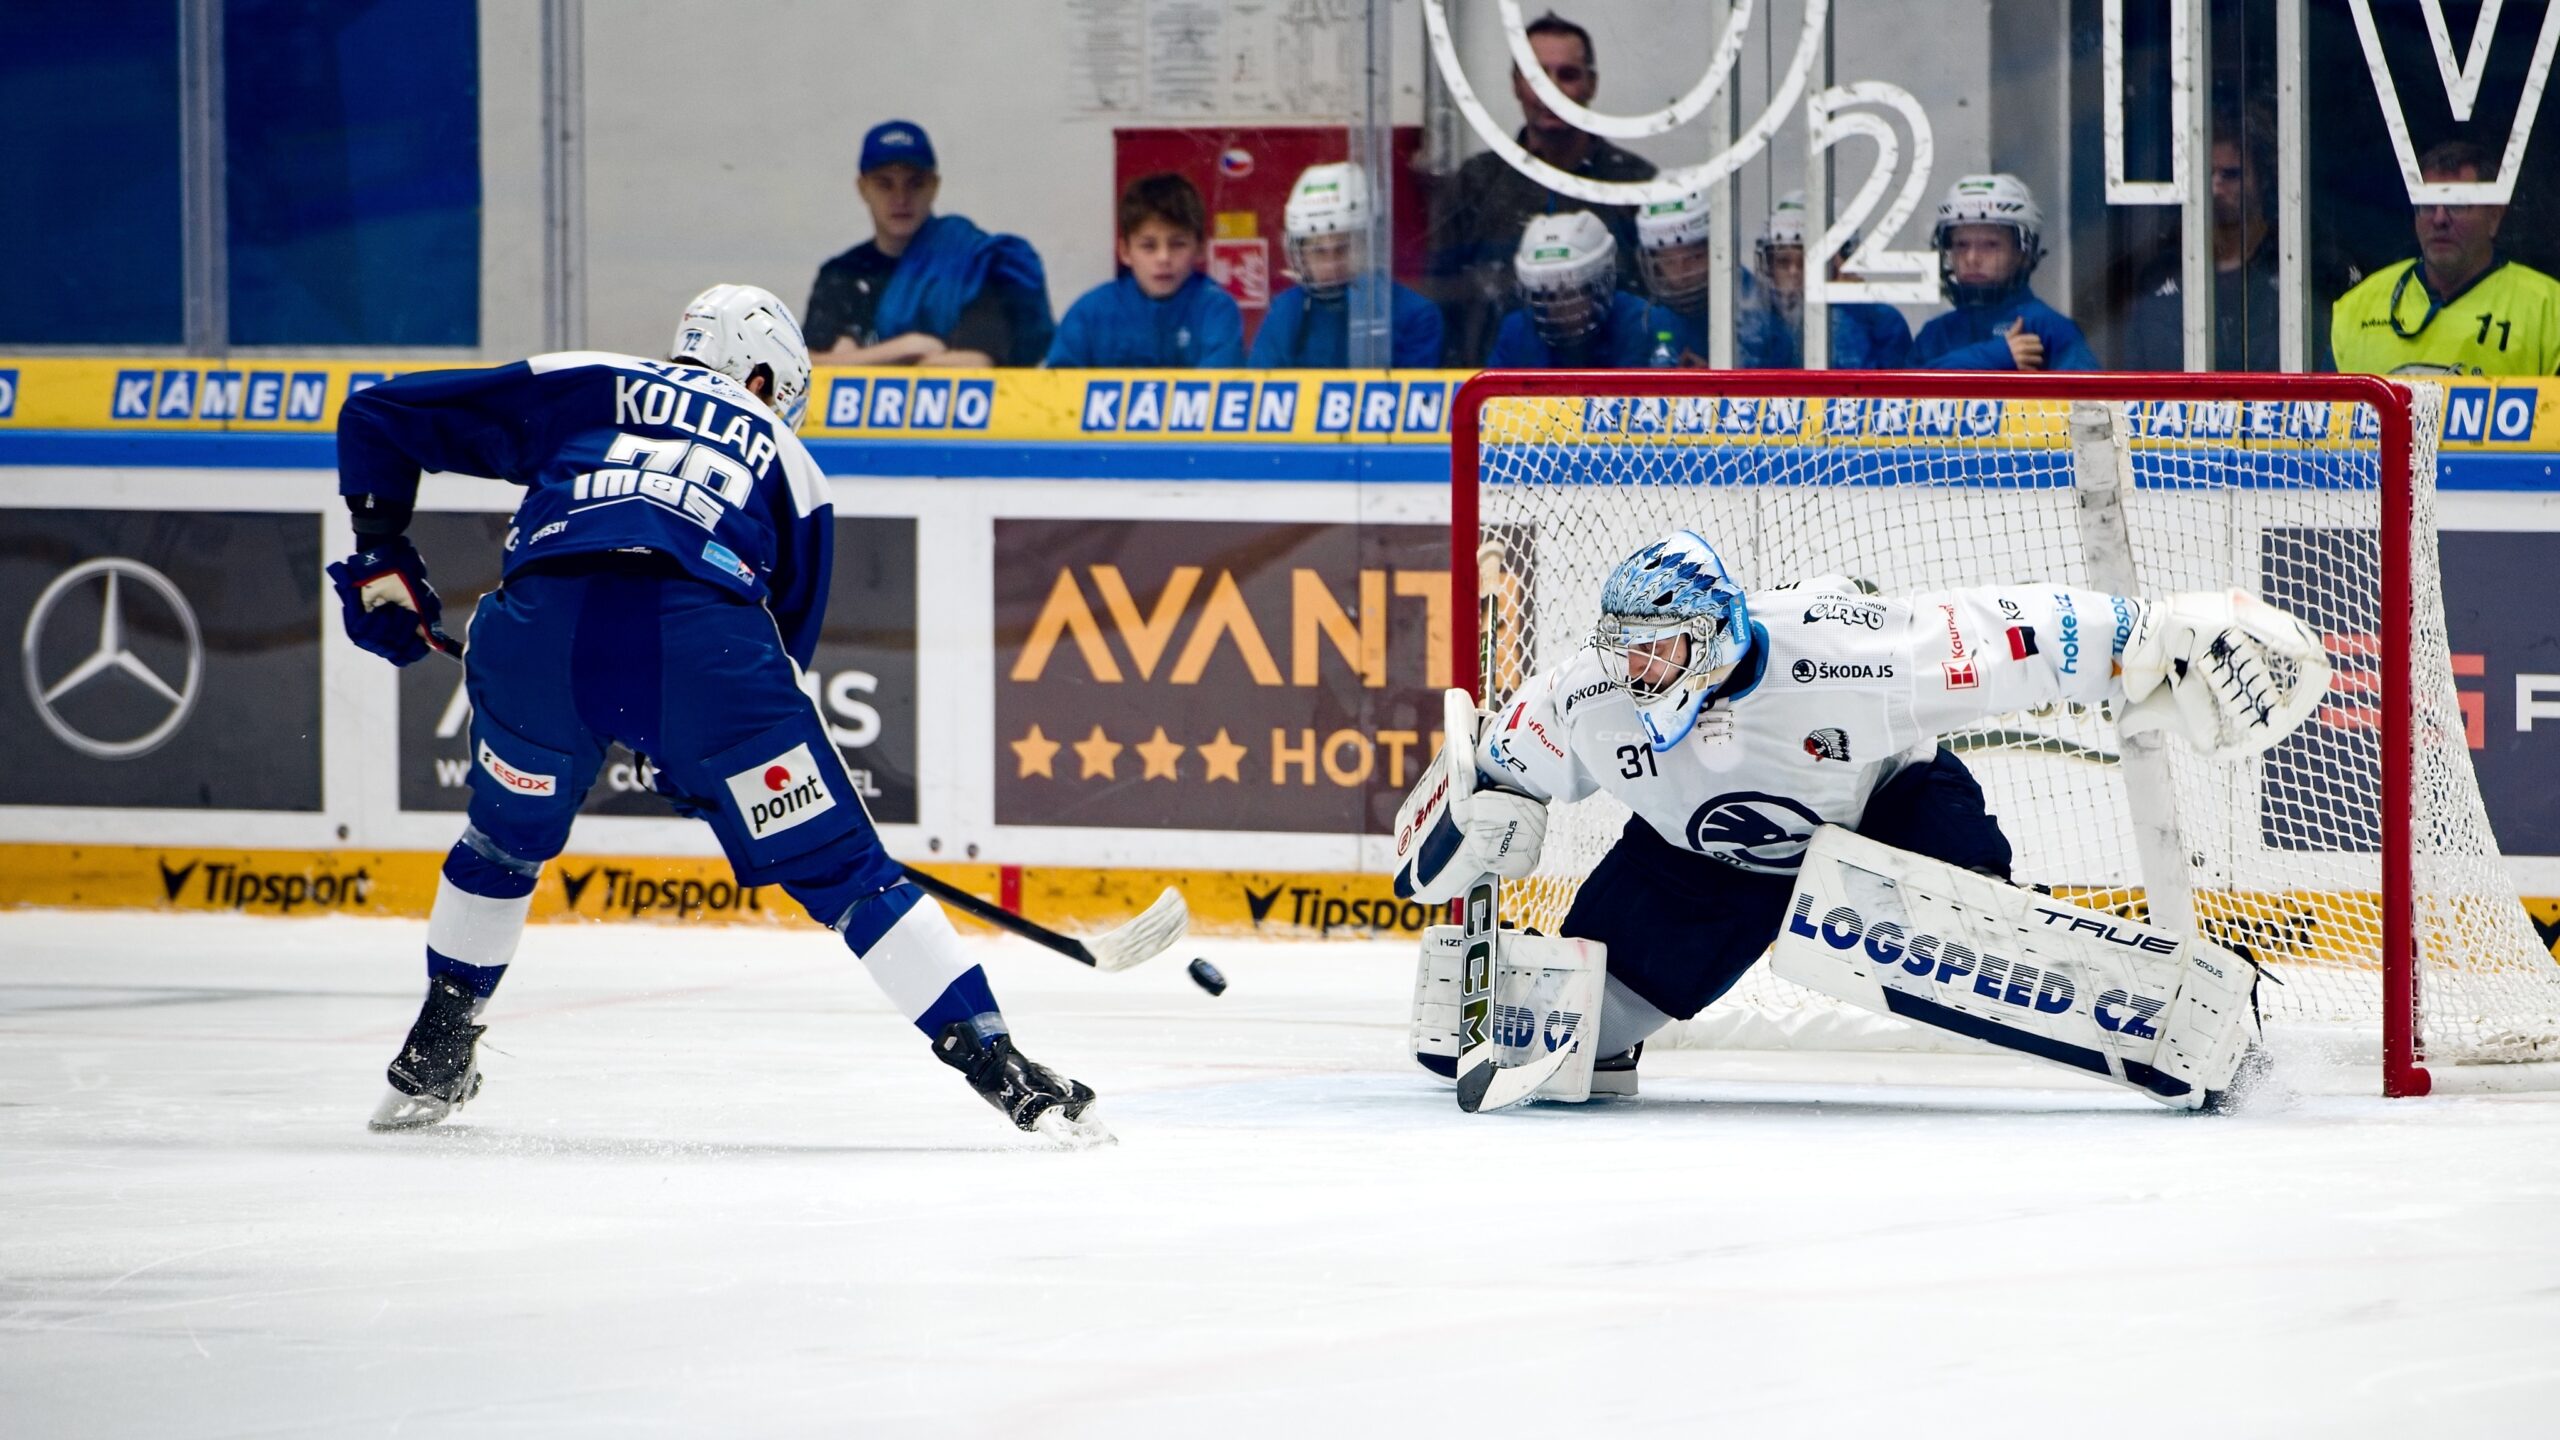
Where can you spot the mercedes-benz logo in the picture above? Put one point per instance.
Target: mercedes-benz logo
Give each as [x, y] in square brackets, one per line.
[112, 654]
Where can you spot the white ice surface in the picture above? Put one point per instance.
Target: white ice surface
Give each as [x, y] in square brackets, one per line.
[715, 1187]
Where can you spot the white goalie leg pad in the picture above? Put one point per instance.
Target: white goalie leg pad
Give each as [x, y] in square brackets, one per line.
[1437, 989]
[1547, 995]
[1547, 992]
[1904, 935]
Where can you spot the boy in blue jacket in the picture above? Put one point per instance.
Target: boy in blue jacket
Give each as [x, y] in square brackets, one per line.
[1309, 327]
[1161, 312]
[1988, 239]
[1572, 314]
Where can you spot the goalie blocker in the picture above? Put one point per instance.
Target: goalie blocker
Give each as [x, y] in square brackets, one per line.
[2169, 1016]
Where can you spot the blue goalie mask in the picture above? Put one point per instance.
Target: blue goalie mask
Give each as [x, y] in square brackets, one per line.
[1672, 625]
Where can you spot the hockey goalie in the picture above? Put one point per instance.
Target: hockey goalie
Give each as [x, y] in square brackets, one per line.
[1780, 750]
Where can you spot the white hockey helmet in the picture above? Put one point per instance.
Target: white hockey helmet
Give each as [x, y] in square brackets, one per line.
[1567, 266]
[1328, 200]
[1671, 248]
[1989, 200]
[740, 329]
[1673, 589]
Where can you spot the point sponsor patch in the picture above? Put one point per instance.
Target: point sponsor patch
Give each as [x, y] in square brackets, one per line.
[783, 792]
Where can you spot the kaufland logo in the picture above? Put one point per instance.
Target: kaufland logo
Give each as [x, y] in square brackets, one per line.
[1265, 407]
[2482, 415]
[288, 396]
[866, 402]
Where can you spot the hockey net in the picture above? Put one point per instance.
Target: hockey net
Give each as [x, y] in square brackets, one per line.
[2354, 859]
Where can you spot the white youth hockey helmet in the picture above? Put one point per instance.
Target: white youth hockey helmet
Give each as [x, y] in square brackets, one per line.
[1328, 201]
[1989, 200]
[1672, 590]
[1671, 248]
[740, 329]
[1567, 266]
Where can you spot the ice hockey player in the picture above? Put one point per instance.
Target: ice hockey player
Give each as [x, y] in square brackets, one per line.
[1327, 240]
[1672, 251]
[1733, 725]
[1989, 237]
[665, 582]
[1770, 335]
[1572, 314]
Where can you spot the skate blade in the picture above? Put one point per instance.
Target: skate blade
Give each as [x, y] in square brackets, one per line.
[1083, 1133]
[400, 1111]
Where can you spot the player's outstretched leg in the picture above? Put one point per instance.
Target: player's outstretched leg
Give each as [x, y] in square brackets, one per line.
[482, 899]
[906, 941]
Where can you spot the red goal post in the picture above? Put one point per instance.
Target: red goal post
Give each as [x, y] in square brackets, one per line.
[1557, 475]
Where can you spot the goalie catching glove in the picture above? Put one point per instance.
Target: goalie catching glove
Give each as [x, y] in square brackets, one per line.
[1449, 830]
[2226, 672]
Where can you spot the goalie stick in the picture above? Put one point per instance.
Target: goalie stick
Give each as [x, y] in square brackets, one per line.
[1135, 941]
[1482, 1084]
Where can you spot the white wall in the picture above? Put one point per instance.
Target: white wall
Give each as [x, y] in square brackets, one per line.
[721, 141]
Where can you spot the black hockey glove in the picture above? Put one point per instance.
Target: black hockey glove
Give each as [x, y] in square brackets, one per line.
[387, 605]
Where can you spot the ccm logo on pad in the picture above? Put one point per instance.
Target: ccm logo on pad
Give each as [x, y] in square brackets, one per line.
[781, 792]
[522, 782]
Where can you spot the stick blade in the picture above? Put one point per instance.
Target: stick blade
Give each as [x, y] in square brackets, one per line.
[1144, 936]
[1499, 1087]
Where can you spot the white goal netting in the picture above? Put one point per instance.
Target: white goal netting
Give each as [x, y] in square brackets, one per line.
[2278, 857]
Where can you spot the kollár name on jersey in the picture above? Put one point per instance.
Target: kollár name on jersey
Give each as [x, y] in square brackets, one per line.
[1940, 961]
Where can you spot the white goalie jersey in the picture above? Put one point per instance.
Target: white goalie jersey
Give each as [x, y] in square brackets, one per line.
[1849, 688]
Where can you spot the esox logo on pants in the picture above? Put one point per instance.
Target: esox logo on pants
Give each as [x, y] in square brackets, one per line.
[781, 792]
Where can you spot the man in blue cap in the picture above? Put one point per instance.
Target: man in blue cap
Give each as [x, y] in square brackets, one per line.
[925, 289]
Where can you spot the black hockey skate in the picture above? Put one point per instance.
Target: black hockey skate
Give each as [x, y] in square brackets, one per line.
[1031, 1095]
[437, 1070]
[1615, 1075]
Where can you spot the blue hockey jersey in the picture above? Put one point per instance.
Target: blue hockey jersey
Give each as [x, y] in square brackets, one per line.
[1116, 323]
[1975, 337]
[1624, 341]
[615, 453]
[1302, 333]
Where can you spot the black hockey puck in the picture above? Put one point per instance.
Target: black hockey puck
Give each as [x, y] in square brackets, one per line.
[1208, 978]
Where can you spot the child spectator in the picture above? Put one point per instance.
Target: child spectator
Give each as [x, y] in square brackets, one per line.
[1161, 312]
[1327, 243]
[1989, 238]
[925, 288]
[1572, 314]
[1672, 251]
[1770, 336]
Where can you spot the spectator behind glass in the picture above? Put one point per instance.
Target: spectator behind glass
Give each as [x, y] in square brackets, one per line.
[1327, 242]
[1989, 237]
[2459, 308]
[925, 288]
[2245, 292]
[1769, 334]
[1477, 220]
[1672, 254]
[1161, 312]
[1572, 314]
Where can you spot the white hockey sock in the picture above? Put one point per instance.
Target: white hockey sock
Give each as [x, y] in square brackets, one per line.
[1627, 1019]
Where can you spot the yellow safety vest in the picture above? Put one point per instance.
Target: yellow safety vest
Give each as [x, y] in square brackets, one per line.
[2506, 323]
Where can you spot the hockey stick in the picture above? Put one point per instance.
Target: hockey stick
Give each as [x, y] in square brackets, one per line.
[1146, 935]
[1479, 919]
[1143, 937]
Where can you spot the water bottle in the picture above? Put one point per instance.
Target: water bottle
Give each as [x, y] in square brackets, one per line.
[1665, 355]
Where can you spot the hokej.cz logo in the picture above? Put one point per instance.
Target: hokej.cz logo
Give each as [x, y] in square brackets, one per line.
[290, 396]
[126, 597]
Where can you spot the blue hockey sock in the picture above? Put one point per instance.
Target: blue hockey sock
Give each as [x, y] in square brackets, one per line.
[482, 898]
[907, 943]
